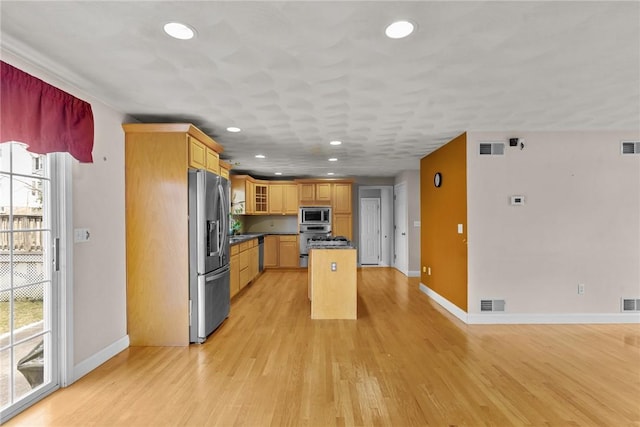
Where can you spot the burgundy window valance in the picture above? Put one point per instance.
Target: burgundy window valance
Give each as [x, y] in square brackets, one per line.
[44, 117]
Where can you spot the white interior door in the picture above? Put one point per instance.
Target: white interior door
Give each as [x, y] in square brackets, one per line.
[401, 259]
[369, 231]
[28, 295]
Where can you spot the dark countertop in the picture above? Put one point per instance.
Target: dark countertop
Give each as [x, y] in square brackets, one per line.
[312, 246]
[239, 238]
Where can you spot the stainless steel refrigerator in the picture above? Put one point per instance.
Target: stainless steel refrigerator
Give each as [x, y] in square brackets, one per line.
[209, 271]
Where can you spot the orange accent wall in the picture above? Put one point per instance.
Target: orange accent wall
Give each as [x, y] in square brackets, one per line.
[441, 210]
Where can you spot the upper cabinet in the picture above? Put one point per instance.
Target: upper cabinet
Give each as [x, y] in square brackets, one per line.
[242, 195]
[342, 198]
[225, 167]
[261, 197]
[283, 198]
[202, 156]
[249, 196]
[314, 193]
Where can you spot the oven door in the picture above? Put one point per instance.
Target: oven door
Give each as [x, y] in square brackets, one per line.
[304, 245]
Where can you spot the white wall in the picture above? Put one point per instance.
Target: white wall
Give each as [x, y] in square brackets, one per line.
[580, 222]
[99, 281]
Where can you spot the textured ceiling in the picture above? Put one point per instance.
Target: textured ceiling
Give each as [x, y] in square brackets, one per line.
[295, 75]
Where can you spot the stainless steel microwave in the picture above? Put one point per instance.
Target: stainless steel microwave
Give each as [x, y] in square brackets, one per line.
[314, 215]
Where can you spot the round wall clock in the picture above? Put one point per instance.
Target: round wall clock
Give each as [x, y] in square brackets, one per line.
[437, 179]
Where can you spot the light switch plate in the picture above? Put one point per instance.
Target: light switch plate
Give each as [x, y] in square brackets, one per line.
[460, 229]
[81, 235]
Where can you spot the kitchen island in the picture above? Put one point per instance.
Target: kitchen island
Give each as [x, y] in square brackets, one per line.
[332, 276]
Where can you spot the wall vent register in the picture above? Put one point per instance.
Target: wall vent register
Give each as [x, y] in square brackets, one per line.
[491, 148]
[492, 305]
[630, 304]
[630, 147]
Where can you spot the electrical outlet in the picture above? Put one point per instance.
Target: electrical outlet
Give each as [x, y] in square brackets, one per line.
[580, 288]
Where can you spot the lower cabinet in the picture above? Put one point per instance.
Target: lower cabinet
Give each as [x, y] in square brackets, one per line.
[244, 265]
[234, 282]
[281, 251]
[271, 243]
[289, 251]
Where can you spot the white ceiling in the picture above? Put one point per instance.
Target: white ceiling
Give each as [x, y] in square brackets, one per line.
[295, 75]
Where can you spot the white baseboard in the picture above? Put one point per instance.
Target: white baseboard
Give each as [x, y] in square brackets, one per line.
[414, 273]
[92, 362]
[551, 318]
[450, 307]
[529, 318]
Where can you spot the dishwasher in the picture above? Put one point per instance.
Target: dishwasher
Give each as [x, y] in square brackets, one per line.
[260, 253]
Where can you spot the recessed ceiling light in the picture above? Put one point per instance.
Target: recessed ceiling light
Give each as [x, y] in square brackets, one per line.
[278, 173]
[333, 159]
[260, 156]
[330, 173]
[399, 29]
[179, 31]
[335, 142]
[233, 129]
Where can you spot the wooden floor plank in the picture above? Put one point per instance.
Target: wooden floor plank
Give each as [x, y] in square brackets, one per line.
[404, 362]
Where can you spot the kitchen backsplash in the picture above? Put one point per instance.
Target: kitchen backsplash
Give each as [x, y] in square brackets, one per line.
[268, 223]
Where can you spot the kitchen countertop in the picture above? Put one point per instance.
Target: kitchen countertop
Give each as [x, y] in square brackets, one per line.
[239, 238]
[311, 245]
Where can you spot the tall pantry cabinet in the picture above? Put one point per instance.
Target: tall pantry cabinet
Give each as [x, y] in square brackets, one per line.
[157, 160]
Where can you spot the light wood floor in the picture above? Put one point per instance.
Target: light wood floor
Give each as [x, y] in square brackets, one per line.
[404, 362]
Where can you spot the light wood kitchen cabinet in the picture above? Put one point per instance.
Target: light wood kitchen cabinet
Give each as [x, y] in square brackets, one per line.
[289, 253]
[261, 198]
[225, 167]
[234, 263]
[333, 294]
[276, 198]
[323, 192]
[250, 204]
[249, 196]
[244, 259]
[283, 198]
[157, 160]
[343, 225]
[307, 193]
[242, 195]
[341, 198]
[254, 260]
[202, 157]
[314, 193]
[290, 206]
[281, 251]
[271, 243]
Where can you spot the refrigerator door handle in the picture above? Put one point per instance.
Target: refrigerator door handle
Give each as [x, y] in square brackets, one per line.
[224, 217]
[219, 273]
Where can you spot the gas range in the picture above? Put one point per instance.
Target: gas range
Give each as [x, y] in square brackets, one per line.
[328, 242]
